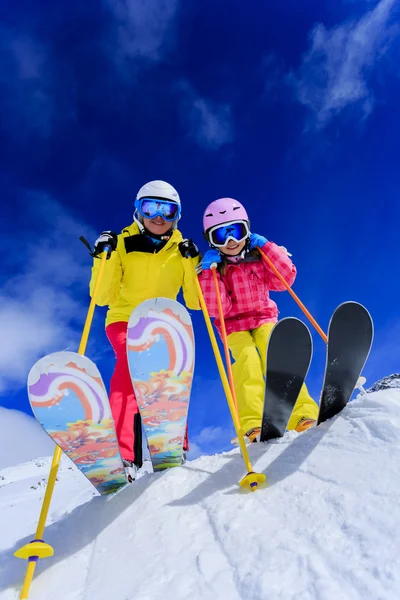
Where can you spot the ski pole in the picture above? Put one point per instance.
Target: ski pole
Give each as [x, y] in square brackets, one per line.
[225, 339]
[37, 548]
[359, 384]
[294, 296]
[252, 480]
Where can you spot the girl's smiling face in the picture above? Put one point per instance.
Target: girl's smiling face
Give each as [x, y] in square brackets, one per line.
[233, 248]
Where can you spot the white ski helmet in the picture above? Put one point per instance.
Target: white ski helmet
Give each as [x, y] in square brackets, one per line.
[156, 189]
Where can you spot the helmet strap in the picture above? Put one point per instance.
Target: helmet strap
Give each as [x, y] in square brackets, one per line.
[136, 218]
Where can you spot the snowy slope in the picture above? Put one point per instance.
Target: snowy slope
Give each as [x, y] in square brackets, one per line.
[327, 527]
[391, 381]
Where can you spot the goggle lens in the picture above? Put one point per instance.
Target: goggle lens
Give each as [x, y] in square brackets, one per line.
[152, 207]
[238, 231]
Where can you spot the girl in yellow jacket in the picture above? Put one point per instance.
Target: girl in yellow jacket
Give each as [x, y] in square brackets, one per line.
[145, 262]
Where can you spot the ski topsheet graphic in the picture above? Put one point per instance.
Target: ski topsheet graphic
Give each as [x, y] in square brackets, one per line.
[68, 398]
[160, 347]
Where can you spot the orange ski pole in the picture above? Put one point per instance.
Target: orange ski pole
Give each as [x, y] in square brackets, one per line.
[361, 380]
[294, 296]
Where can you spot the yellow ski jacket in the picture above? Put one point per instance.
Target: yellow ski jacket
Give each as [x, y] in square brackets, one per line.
[132, 276]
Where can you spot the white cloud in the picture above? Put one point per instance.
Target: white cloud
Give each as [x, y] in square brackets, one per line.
[209, 123]
[212, 123]
[335, 71]
[144, 27]
[209, 435]
[32, 96]
[30, 443]
[195, 451]
[39, 312]
[39, 88]
[210, 440]
[30, 57]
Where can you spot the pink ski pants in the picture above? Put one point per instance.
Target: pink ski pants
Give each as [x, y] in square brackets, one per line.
[122, 397]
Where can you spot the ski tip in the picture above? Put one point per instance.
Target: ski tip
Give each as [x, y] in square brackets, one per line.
[355, 313]
[350, 306]
[291, 324]
[159, 305]
[59, 362]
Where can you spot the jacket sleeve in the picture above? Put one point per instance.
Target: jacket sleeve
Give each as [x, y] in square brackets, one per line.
[111, 280]
[282, 263]
[206, 280]
[189, 285]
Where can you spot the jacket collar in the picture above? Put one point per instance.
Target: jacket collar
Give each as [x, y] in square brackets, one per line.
[175, 238]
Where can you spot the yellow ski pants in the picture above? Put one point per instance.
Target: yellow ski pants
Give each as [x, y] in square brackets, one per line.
[249, 351]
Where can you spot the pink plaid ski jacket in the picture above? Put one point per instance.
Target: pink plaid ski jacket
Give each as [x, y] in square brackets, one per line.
[245, 288]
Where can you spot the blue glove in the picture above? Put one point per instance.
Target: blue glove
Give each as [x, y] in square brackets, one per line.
[257, 241]
[210, 257]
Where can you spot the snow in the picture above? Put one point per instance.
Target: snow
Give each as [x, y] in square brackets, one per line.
[391, 381]
[327, 527]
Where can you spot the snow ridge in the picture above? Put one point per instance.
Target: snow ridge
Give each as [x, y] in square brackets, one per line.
[327, 526]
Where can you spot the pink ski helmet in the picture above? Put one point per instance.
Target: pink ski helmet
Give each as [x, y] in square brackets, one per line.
[222, 211]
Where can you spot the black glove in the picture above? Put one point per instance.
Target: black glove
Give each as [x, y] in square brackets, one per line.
[188, 249]
[107, 240]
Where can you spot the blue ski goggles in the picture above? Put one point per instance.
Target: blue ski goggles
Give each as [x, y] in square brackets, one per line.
[150, 208]
[219, 235]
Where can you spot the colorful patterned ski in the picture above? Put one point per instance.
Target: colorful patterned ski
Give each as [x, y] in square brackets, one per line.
[68, 398]
[160, 347]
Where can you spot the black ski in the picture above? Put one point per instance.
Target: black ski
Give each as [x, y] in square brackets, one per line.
[350, 336]
[288, 359]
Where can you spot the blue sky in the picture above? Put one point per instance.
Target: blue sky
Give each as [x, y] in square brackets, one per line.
[293, 108]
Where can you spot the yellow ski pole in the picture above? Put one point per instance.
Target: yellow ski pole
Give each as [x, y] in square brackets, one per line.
[225, 339]
[37, 548]
[252, 480]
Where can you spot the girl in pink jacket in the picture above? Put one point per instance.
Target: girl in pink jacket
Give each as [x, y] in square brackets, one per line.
[245, 282]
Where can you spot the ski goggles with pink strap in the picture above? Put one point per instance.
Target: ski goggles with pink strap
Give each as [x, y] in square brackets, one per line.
[219, 235]
[150, 208]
